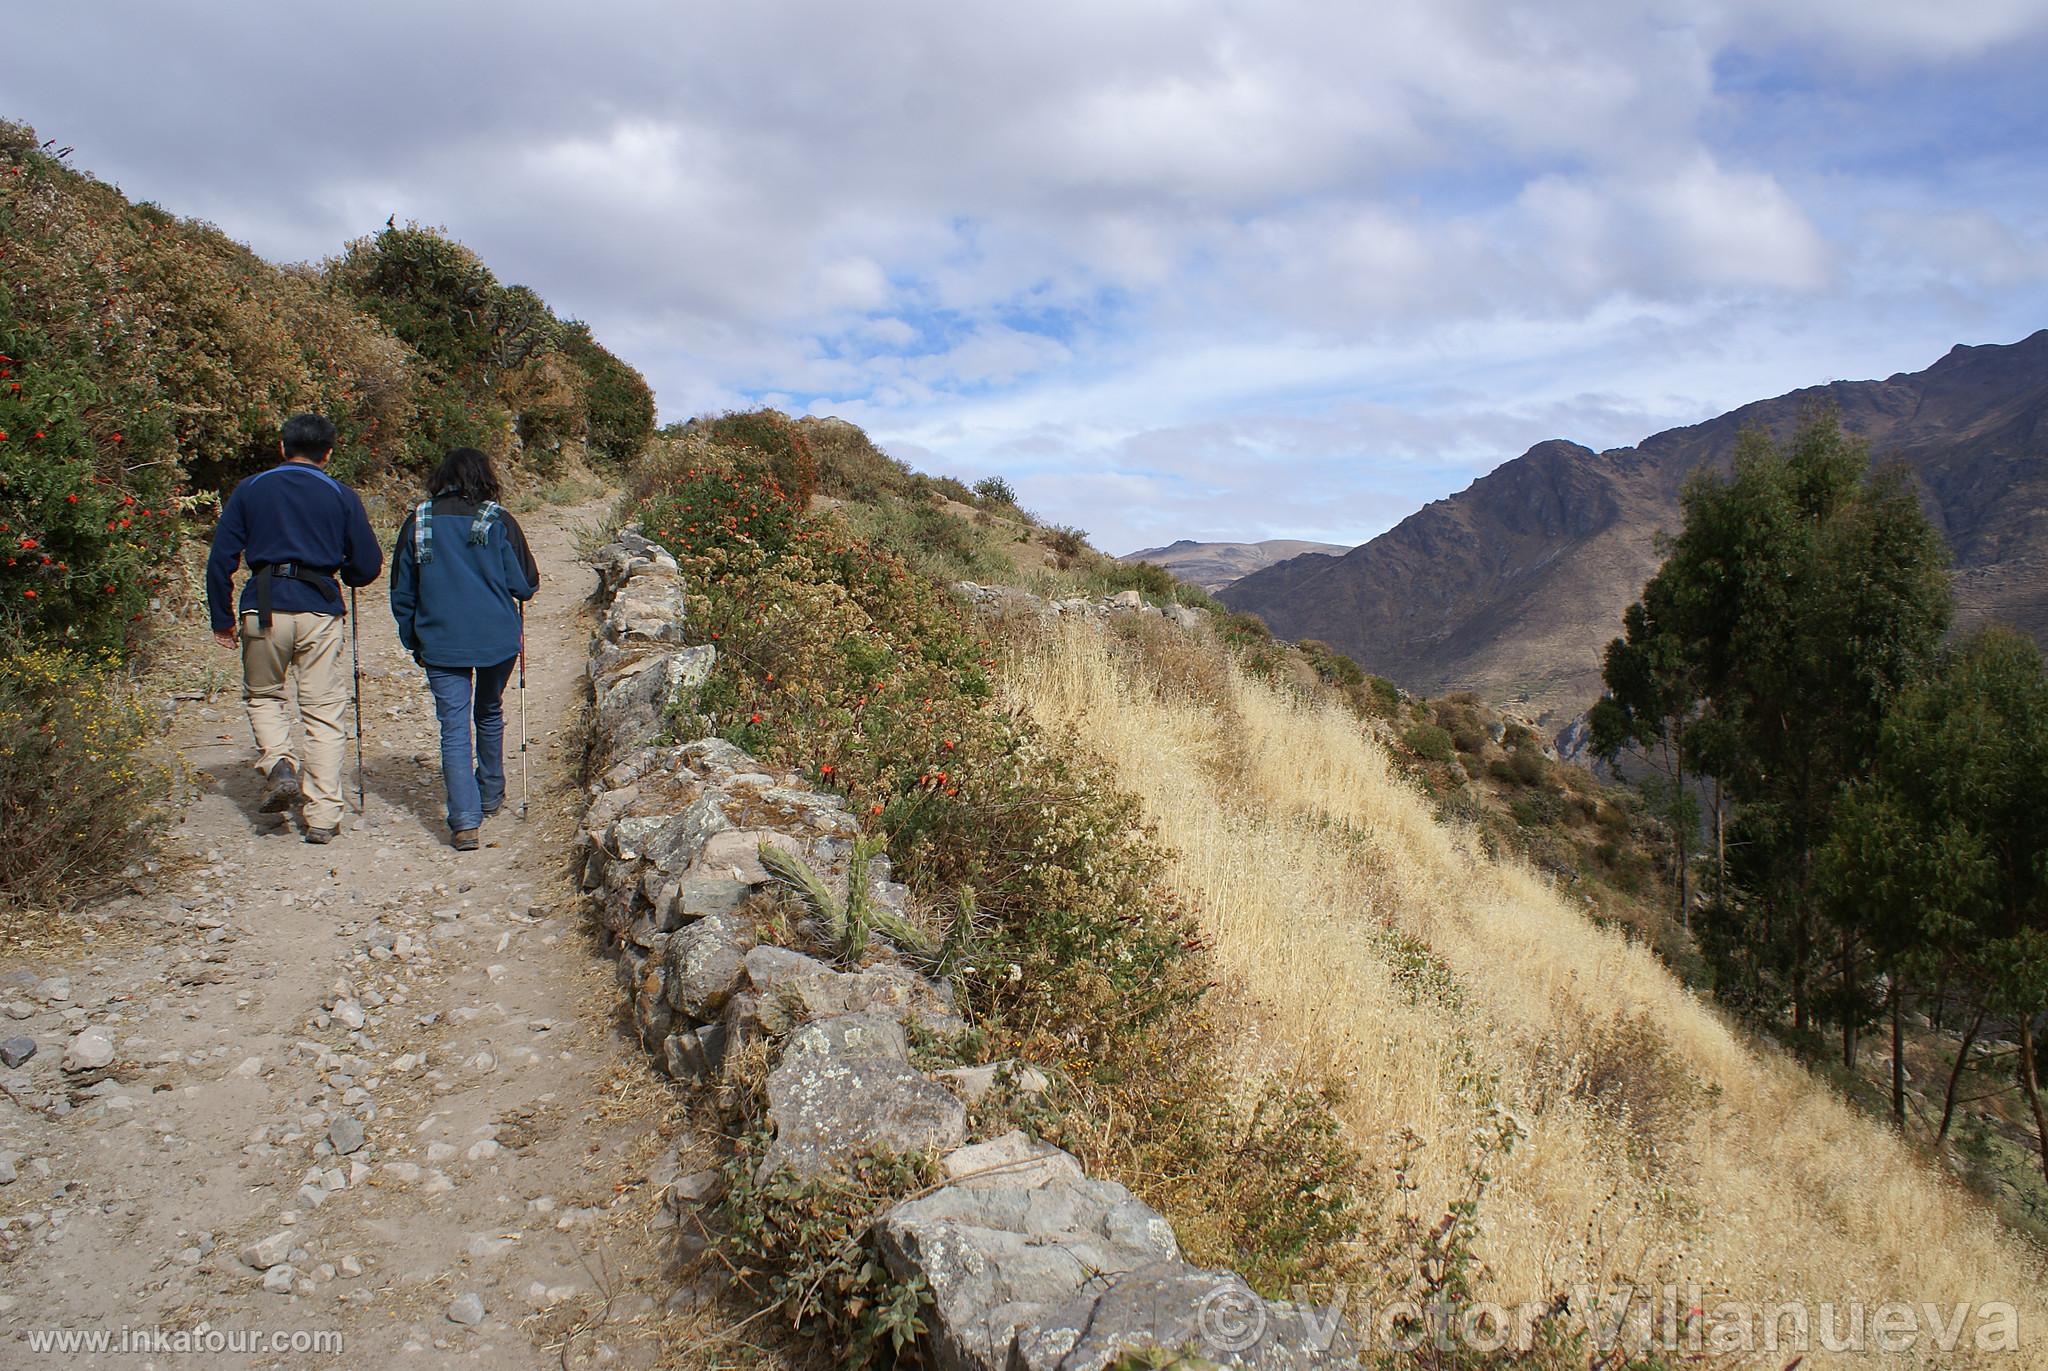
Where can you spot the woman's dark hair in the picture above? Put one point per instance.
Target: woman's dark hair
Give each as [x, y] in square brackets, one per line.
[465, 472]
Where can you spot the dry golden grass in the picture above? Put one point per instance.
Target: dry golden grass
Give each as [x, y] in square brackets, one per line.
[1659, 1144]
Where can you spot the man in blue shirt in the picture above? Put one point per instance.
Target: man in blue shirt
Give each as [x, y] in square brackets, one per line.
[298, 528]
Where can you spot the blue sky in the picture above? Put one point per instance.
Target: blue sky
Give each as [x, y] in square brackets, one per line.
[1175, 268]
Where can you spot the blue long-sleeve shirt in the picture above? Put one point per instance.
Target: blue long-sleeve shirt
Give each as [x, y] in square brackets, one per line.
[462, 608]
[294, 512]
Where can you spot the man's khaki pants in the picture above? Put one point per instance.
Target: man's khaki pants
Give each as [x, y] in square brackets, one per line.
[314, 647]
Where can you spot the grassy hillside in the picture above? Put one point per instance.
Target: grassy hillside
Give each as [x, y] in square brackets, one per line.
[1443, 986]
[1211, 866]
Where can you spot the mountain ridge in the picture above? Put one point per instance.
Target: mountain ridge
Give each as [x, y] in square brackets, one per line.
[1513, 586]
[1214, 565]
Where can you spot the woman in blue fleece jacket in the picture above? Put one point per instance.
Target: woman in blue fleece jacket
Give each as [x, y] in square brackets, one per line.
[459, 574]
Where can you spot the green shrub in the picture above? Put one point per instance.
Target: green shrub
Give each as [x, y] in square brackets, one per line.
[1066, 543]
[75, 792]
[84, 538]
[1333, 666]
[995, 490]
[1430, 743]
[807, 1246]
[618, 404]
[781, 443]
[1530, 766]
[1144, 577]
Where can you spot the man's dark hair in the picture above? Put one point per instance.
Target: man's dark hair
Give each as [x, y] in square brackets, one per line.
[465, 472]
[307, 435]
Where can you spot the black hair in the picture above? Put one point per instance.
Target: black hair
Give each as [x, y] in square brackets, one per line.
[465, 472]
[307, 435]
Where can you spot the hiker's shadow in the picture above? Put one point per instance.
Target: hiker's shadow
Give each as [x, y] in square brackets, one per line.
[233, 780]
[405, 797]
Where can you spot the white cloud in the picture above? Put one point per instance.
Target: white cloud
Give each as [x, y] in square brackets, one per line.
[1192, 256]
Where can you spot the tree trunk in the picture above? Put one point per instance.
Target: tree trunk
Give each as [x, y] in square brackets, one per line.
[1684, 827]
[1955, 1076]
[1720, 844]
[2031, 1082]
[1848, 1004]
[1898, 1058]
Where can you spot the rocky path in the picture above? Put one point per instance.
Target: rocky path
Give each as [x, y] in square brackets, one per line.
[369, 1098]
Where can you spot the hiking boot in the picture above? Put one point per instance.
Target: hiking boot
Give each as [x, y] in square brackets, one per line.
[465, 840]
[322, 836]
[282, 790]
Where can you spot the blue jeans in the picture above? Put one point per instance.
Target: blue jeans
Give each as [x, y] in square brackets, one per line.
[475, 777]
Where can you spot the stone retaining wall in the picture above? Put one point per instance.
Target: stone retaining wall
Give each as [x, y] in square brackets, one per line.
[1031, 1264]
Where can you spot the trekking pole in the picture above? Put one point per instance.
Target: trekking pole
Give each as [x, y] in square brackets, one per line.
[355, 658]
[525, 764]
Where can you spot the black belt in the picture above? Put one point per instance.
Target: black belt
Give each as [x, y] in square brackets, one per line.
[291, 571]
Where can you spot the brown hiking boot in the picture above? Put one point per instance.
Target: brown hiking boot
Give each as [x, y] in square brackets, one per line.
[465, 840]
[322, 836]
[281, 792]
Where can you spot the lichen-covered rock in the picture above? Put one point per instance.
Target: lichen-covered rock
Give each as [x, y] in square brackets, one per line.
[632, 703]
[1170, 1305]
[1013, 1240]
[647, 606]
[706, 961]
[670, 842]
[826, 1109]
[821, 992]
[848, 1035]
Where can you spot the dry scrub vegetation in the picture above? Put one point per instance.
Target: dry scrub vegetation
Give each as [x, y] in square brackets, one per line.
[1370, 943]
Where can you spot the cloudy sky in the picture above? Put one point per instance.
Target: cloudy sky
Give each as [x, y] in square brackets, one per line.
[1208, 268]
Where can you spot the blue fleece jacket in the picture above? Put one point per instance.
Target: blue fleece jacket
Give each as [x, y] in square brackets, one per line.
[297, 513]
[459, 610]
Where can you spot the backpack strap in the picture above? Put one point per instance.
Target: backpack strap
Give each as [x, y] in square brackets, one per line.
[480, 526]
[423, 531]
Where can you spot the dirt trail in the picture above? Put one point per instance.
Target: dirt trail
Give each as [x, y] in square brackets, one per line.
[267, 993]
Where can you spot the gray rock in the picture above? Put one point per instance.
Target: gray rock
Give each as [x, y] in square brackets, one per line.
[466, 1309]
[89, 1051]
[699, 1187]
[346, 1134]
[736, 855]
[999, 1252]
[825, 1109]
[268, 1252]
[848, 1035]
[823, 993]
[1211, 1315]
[648, 606]
[278, 1279]
[17, 1050]
[706, 962]
[669, 841]
[695, 1055]
[973, 1083]
[1014, 1160]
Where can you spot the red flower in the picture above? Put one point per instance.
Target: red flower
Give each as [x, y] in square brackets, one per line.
[113, 437]
[755, 717]
[28, 595]
[28, 542]
[70, 499]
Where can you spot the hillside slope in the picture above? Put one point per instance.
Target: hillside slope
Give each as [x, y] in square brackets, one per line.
[1513, 586]
[1608, 1128]
[1213, 566]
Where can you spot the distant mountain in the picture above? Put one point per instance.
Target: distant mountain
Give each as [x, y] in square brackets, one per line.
[1512, 587]
[1213, 566]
